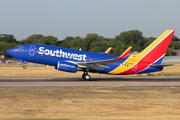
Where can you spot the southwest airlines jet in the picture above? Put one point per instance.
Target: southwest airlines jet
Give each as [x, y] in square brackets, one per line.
[70, 60]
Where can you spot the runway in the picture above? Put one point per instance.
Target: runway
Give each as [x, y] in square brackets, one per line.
[118, 82]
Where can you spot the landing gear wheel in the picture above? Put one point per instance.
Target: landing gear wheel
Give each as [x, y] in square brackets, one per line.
[24, 66]
[86, 77]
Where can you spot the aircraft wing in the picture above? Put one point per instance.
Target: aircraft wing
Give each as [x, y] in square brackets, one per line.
[97, 65]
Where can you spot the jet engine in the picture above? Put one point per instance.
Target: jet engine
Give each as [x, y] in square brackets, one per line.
[66, 66]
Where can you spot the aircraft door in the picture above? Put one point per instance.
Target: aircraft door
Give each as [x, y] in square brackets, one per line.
[32, 50]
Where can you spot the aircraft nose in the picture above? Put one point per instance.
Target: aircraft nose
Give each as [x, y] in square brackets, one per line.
[10, 51]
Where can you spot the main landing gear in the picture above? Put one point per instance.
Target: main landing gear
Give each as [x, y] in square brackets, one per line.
[85, 75]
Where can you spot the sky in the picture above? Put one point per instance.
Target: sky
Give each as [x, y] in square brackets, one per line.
[108, 18]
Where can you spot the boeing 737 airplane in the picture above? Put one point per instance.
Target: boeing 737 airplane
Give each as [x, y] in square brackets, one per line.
[70, 60]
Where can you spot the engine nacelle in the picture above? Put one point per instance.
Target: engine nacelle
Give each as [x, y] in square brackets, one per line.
[66, 66]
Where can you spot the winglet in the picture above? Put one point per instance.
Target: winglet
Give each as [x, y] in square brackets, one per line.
[125, 53]
[108, 50]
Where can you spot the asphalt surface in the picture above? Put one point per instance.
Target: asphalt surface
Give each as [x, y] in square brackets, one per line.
[118, 82]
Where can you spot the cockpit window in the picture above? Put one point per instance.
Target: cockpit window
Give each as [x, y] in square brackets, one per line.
[19, 47]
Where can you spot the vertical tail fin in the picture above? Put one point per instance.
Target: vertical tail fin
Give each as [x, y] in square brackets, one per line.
[156, 50]
[154, 53]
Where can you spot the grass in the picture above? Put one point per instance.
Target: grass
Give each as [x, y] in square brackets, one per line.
[90, 104]
[32, 72]
[39, 71]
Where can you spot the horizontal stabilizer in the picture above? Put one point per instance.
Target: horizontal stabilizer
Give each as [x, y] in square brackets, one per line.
[125, 53]
[160, 65]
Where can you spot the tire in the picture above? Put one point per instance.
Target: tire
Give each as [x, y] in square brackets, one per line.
[83, 76]
[24, 66]
[87, 77]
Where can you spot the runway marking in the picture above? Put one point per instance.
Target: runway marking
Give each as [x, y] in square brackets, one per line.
[122, 86]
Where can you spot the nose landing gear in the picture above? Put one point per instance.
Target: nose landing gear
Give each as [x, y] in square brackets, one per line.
[24, 66]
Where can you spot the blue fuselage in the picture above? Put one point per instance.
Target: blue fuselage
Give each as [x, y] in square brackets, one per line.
[51, 55]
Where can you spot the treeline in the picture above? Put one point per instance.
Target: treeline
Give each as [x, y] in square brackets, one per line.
[92, 42]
